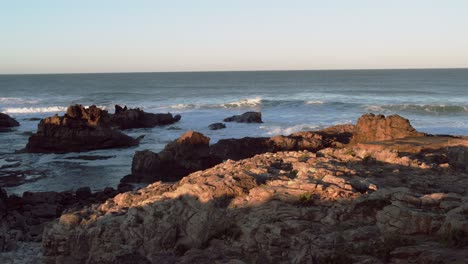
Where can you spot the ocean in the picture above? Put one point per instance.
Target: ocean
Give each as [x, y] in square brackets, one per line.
[434, 100]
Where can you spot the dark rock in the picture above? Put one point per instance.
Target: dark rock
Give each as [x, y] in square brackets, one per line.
[242, 148]
[80, 129]
[188, 153]
[135, 118]
[124, 187]
[247, 117]
[372, 127]
[7, 121]
[83, 193]
[216, 126]
[3, 202]
[32, 119]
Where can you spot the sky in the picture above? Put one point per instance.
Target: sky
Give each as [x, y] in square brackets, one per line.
[67, 36]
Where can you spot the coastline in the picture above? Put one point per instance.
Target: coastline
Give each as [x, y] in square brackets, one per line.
[342, 176]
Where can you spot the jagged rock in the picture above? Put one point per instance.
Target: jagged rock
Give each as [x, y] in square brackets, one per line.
[7, 121]
[247, 117]
[149, 167]
[329, 207]
[216, 126]
[188, 153]
[22, 219]
[80, 129]
[242, 148]
[370, 127]
[135, 118]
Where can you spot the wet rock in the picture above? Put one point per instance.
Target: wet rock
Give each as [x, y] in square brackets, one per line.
[80, 129]
[7, 121]
[216, 126]
[247, 117]
[136, 118]
[370, 127]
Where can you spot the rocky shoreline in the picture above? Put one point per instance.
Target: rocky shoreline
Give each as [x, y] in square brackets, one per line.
[374, 192]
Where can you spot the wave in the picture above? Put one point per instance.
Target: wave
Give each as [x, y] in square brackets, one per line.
[278, 130]
[420, 108]
[314, 102]
[245, 103]
[17, 100]
[33, 110]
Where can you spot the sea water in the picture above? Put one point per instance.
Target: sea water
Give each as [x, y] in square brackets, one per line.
[434, 100]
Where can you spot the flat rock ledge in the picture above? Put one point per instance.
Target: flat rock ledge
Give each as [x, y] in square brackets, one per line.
[344, 205]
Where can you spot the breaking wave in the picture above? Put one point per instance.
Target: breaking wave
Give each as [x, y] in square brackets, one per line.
[245, 103]
[31, 110]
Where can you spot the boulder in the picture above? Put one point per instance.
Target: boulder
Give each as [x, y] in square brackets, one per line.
[80, 129]
[247, 117]
[136, 118]
[370, 127]
[216, 126]
[241, 148]
[7, 121]
[188, 153]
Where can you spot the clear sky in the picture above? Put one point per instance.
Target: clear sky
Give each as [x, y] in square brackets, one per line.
[46, 36]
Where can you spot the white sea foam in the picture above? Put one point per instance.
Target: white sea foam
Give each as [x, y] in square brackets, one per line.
[314, 102]
[31, 110]
[246, 102]
[374, 108]
[278, 130]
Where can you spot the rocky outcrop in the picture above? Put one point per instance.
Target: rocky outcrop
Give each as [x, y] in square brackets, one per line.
[188, 153]
[22, 219]
[370, 127]
[247, 117]
[334, 206]
[179, 159]
[6, 121]
[136, 118]
[216, 126]
[80, 129]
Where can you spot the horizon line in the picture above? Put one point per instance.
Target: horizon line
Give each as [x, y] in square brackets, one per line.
[225, 71]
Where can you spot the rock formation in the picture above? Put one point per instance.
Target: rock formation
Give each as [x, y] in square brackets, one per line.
[22, 219]
[247, 117]
[372, 127]
[188, 153]
[179, 159]
[344, 205]
[135, 118]
[216, 126]
[80, 129]
[6, 121]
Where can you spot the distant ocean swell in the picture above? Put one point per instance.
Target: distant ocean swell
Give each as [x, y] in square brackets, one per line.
[420, 108]
[248, 103]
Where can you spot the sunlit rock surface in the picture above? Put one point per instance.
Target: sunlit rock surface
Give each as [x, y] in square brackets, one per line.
[347, 205]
